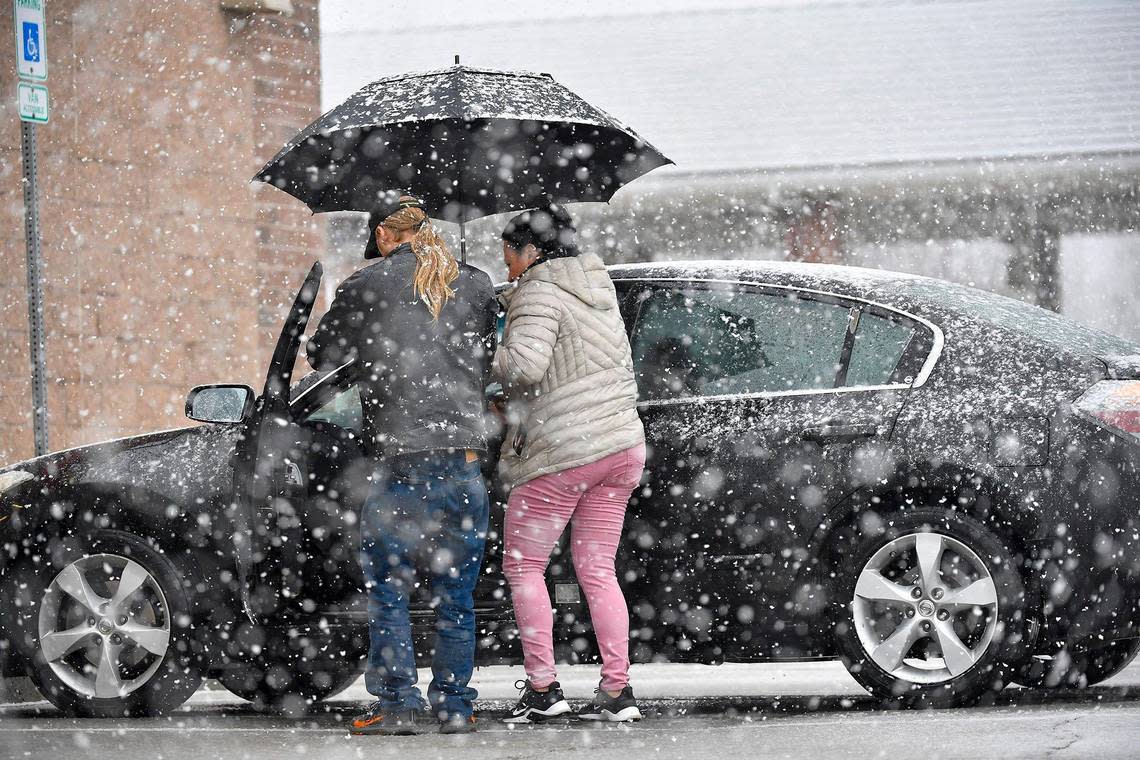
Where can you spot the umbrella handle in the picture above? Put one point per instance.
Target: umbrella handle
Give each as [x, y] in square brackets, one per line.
[462, 240]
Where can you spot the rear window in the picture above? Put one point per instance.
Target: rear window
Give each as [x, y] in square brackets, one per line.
[879, 345]
[1017, 316]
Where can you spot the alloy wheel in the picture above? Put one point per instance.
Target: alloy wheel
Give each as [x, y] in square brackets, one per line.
[925, 608]
[104, 626]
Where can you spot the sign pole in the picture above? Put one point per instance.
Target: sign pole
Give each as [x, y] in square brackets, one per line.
[29, 21]
[35, 288]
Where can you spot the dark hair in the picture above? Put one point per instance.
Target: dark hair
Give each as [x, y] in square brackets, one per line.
[549, 229]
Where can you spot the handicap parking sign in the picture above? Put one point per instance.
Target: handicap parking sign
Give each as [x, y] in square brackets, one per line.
[31, 53]
[31, 37]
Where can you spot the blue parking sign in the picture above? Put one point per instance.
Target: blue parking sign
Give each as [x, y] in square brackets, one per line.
[29, 29]
[31, 38]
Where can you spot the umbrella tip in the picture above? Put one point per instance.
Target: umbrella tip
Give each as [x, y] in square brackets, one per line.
[456, 59]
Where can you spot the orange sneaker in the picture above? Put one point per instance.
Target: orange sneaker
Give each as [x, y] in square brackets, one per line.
[378, 722]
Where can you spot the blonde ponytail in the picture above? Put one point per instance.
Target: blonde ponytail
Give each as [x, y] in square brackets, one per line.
[436, 268]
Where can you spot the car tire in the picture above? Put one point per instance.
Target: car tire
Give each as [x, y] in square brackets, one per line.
[1078, 669]
[93, 647]
[294, 671]
[929, 608]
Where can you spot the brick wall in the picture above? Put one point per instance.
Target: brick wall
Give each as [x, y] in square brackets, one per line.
[164, 267]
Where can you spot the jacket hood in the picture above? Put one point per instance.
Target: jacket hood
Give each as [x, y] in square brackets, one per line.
[584, 277]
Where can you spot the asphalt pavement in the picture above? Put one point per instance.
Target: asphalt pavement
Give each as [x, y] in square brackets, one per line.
[809, 710]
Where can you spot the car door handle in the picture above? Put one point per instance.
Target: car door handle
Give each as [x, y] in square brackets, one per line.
[839, 433]
[293, 475]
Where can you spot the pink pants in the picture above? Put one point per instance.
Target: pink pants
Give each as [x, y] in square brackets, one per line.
[592, 498]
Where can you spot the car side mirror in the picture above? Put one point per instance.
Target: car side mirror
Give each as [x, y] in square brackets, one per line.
[219, 403]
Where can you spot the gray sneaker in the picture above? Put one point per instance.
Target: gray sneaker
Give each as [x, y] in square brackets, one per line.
[458, 725]
[619, 709]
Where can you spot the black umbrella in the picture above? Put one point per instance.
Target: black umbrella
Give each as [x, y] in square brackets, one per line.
[469, 142]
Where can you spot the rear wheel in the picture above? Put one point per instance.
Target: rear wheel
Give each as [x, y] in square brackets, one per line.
[105, 627]
[930, 609]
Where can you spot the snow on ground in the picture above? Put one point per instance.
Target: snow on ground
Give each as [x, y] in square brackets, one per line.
[656, 681]
[669, 681]
[804, 710]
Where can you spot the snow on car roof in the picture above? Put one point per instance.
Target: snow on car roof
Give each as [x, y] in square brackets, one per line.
[910, 293]
[831, 277]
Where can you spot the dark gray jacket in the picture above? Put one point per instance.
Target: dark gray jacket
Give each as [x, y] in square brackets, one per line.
[421, 381]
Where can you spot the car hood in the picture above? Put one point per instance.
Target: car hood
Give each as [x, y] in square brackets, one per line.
[175, 463]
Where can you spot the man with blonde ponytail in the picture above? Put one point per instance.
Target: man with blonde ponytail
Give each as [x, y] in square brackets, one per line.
[419, 330]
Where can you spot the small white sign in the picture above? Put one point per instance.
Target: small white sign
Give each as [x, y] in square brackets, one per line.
[31, 40]
[33, 102]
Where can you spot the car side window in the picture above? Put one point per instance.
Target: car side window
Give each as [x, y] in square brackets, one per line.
[342, 410]
[695, 342]
[879, 345]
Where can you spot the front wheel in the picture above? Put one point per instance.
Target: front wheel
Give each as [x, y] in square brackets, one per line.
[104, 626]
[930, 609]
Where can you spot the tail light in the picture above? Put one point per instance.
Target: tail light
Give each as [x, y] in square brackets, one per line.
[1113, 404]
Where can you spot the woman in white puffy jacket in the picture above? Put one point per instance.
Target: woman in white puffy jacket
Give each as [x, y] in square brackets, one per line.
[574, 451]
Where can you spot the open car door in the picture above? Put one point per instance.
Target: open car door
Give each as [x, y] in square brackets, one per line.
[270, 472]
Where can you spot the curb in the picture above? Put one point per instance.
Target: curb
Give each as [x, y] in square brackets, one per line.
[18, 690]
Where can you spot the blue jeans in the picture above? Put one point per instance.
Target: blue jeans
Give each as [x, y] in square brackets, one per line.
[428, 511]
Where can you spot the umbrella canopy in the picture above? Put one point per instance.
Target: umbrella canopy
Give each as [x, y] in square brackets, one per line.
[469, 142]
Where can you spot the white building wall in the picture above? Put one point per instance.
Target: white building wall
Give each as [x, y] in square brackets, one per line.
[1100, 274]
[1100, 281]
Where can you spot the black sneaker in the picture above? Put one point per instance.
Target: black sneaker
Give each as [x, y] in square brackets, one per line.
[458, 725]
[619, 709]
[378, 722]
[537, 706]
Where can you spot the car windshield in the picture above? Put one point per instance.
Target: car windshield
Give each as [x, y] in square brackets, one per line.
[1017, 316]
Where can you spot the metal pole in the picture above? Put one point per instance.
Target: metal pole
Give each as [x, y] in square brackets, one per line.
[35, 289]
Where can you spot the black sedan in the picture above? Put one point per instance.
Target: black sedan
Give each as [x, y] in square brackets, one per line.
[935, 484]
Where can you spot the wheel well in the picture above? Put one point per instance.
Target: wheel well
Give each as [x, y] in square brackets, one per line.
[982, 498]
[166, 525]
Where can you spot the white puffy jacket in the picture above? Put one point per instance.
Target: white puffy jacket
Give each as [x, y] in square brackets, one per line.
[566, 365]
